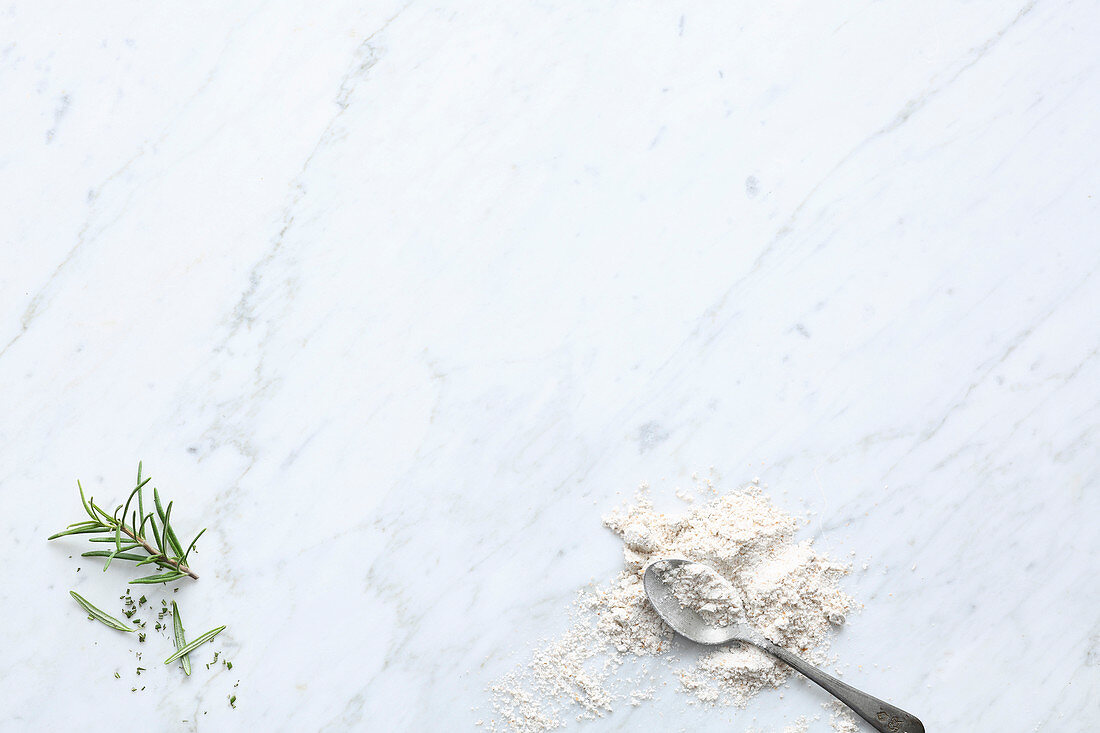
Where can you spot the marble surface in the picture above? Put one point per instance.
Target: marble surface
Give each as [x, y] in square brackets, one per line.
[398, 299]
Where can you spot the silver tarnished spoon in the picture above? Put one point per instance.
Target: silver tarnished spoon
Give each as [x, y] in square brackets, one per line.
[882, 715]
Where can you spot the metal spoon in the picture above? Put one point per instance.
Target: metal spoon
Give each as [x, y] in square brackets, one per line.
[882, 715]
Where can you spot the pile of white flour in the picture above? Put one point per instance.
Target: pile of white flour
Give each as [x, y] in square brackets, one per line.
[784, 588]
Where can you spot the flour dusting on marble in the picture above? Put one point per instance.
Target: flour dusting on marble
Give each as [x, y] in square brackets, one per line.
[841, 718]
[762, 576]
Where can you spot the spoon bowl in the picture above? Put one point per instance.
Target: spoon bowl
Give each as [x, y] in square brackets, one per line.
[690, 624]
[685, 621]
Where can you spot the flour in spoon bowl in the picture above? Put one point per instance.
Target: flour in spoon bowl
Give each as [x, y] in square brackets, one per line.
[696, 587]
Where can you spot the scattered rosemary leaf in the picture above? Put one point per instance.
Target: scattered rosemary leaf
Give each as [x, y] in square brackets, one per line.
[195, 644]
[98, 615]
[181, 642]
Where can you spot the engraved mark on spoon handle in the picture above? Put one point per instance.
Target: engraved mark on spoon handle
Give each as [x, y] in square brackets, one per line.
[882, 715]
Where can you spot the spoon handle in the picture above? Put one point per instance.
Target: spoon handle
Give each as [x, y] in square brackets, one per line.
[882, 715]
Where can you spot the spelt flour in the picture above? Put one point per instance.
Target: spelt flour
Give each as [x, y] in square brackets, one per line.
[761, 575]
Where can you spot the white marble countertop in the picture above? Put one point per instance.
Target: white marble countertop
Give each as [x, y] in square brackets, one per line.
[399, 299]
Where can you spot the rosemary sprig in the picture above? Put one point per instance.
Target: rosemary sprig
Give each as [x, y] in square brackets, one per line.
[98, 615]
[181, 642]
[128, 532]
[194, 644]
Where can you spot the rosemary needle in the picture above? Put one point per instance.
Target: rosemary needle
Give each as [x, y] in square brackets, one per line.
[181, 642]
[194, 644]
[100, 616]
[159, 578]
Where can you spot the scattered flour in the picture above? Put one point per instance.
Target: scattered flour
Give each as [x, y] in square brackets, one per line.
[760, 575]
[841, 718]
[799, 726]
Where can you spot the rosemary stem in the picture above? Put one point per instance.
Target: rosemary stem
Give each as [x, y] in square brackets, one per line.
[130, 532]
